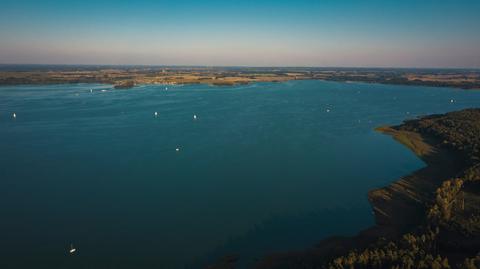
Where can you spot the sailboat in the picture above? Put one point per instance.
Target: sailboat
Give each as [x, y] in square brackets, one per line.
[72, 249]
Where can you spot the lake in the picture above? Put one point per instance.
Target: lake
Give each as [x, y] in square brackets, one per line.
[264, 167]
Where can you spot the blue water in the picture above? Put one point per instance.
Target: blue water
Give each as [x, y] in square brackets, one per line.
[265, 167]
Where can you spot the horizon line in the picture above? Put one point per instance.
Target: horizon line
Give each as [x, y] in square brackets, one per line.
[236, 66]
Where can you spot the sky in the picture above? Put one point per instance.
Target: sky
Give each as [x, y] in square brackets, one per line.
[361, 33]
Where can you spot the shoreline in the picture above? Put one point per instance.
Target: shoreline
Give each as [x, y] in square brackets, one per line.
[126, 77]
[122, 86]
[398, 208]
[403, 201]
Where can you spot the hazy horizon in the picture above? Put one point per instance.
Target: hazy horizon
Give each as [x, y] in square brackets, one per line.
[232, 66]
[383, 34]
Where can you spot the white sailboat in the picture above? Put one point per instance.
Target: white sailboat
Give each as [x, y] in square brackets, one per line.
[72, 249]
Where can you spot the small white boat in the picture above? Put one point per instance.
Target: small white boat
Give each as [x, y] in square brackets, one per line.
[194, 117]
[452, 101]
[14, 115]
[72, 249]
[328, 110]
[156, 113]
[177, 149]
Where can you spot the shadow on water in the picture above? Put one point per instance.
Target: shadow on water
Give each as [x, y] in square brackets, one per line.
[288, 233]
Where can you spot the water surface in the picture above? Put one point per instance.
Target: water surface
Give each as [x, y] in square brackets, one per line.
[264, 167]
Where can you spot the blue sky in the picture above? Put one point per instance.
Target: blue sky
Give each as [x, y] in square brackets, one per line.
[421, 33]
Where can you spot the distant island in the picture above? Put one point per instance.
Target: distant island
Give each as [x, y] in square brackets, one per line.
[125, 84]
[429, 219]
[123, 77]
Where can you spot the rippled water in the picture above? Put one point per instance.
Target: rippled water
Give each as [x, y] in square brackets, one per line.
[264, 167]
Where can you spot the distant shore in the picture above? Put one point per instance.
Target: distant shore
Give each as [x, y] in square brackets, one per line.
[128, 77]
